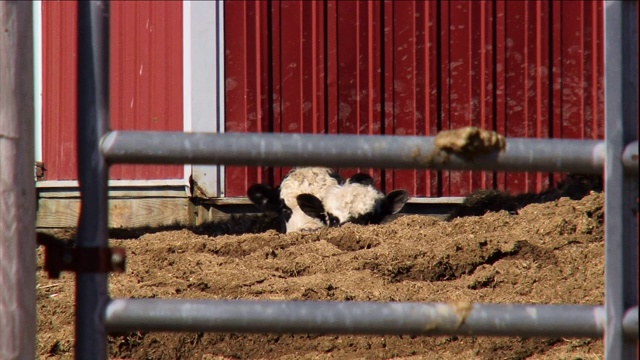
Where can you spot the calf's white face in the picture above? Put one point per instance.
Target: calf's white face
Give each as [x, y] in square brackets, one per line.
[283, 199]
[356, 201]
[310, 198]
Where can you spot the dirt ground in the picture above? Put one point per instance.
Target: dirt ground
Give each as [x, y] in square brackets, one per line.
[549, 252]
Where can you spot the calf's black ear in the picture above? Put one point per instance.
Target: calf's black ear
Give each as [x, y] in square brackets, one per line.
[361, 178]
[395, 200]
[311, 205]
[265, 197]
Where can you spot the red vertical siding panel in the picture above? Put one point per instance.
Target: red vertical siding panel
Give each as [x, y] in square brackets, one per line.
[364, 98]
[430, 86]
[299, 69]
[516, 79]
[477, 87]
[347, 65]
[246, 71]
[314, 31]
[500, 116]
[146, 86]
[538, 89]
[236, 106]
[425, 87]
[598, 80]
[372, 111]
[388, 94]
[556, 74]
[276, 69]
[593, 115]
[59, 89]
[263, 69]
[420, 67]
[459, 71]
[358, 73]
[415, 103]
[541, 77]
[123, 62]
[484, 18]
[404, 83]
[292, 86]
[332, 67]
[572, 70]
[145, 80]
[444, 18]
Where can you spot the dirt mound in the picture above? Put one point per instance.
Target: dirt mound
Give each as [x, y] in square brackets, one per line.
[548, 253]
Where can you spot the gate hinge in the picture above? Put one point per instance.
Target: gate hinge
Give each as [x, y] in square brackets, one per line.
[58, 257]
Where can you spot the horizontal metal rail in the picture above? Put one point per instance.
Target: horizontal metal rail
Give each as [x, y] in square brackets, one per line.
[630, 158]
[327, 317]
[410, 152]
[630, 323]
[340, 151]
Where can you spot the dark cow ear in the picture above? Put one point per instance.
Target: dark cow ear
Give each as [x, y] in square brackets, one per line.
[336, 177]
[311, 205]
[361, 178]
[332, 220]
[265, 197]
[395, 200]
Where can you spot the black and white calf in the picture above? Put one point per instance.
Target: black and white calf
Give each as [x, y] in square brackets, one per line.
[310, 198]
[283, 199]
[355, 201]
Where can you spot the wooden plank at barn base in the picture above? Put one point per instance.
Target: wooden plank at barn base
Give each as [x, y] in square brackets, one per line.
[131, 209]
[123, 213]
[131, 193]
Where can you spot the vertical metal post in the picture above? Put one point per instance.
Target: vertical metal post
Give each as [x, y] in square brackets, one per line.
[621, 189]
[17, 185]
[93, 173]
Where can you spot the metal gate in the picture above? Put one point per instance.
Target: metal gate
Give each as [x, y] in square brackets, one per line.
[617, 156]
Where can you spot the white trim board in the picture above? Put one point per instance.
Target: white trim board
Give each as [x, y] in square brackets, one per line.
[37, 79]
[114, 183]
[130, 189]
[220, 104]
[203, 84]
[186, 76]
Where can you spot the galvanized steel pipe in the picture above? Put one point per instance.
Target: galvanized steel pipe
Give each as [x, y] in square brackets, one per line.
[93, 173]
[324, 317]
[630, 324]
[267, 149]
[630, 158]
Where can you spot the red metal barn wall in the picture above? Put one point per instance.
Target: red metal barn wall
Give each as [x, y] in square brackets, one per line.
[521, 68]
[145, 87]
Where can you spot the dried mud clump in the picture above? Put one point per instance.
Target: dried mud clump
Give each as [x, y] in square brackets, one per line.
[469, 141]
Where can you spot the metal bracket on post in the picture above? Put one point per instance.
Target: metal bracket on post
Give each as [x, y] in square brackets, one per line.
[59, 256]
[39, 170]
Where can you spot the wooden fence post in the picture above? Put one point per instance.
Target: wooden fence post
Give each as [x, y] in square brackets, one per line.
[17, 185]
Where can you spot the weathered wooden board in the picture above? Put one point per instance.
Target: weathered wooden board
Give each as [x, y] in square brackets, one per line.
[17, 239]
[123, 213]
[131, 193]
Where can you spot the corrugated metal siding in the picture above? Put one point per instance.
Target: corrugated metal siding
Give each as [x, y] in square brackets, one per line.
[522, 68]
[246, 84]
[59, 88]
[146, 76]
[146, 80]
[412, 90]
